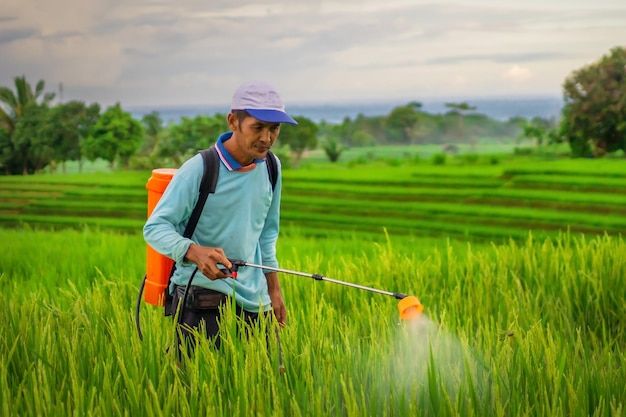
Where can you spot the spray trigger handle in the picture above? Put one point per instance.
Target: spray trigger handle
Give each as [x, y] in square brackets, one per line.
[236, 263]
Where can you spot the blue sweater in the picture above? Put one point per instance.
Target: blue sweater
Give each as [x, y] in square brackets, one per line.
[242, 217]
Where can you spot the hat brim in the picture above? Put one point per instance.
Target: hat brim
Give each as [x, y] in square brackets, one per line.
[271, 116]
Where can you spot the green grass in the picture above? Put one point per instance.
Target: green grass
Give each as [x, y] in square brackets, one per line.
[530, 327]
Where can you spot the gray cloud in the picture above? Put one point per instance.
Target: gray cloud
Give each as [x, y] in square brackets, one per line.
[10, 35]
[500, 58]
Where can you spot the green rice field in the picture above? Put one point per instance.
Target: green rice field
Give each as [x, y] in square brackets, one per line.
[528, 328]
[520, 265]
[479, 201]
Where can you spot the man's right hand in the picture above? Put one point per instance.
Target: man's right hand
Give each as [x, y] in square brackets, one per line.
[207, 259]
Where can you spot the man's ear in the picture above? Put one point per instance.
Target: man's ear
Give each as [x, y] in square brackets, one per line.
[233, 122]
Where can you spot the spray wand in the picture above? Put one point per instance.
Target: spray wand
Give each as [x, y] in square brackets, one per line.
[409, 306]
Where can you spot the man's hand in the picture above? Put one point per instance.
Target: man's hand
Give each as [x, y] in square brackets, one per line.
[207, 259]
[276, 297]
[278, 304]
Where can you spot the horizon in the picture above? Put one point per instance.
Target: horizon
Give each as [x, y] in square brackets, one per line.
[498, 108]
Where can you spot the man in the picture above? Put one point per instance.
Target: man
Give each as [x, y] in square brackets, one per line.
[239, 221]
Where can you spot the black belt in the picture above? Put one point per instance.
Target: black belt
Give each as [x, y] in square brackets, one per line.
[199, 298]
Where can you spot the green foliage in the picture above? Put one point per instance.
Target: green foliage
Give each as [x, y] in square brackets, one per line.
[408, 124]
[13, 104]
[70, 124]
[439, 159]
[540, 131]
[494, 160]
[153, 129]
[115, 136]
[462, 107]
[33, 145]
[362, 138]
[333, 149]
[300, 137]
[401, 124]
[13, 107]
[362, 131]
[190, 135]
[594, 115]
[520, 151]
[470, 158]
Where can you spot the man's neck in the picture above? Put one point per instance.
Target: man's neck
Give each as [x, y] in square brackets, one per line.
[235, 152]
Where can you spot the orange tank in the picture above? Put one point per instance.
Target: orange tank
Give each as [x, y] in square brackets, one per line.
[158, 266]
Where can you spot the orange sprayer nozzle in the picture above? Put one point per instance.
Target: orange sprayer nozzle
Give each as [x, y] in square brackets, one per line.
[410, 307]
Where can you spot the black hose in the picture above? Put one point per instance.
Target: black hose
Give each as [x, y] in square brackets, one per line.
[140, 295]
[181, 310]
[138, 307]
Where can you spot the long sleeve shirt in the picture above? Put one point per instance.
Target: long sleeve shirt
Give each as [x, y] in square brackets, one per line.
[241, 217]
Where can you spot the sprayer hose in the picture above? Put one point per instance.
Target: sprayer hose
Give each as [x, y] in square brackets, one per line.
[138, 307]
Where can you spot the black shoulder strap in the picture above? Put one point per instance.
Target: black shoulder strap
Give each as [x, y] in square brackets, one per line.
[272, 168]
[207, 186]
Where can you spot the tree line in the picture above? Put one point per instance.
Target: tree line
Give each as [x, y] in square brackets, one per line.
[36, 133]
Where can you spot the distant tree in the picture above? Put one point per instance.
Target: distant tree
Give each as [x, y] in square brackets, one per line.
[300, 137]
[153, 128]
[6, 151]
[594, 114]
[332, 148]
[33, 145]
[402, 122]
[13, 107]
[534, 132]
[459, 111]
[538, 130]
[70, 124]
[115, 136]
[345, 131]
[415, 104]
[183, 139]
[363, 138]
[461, 108]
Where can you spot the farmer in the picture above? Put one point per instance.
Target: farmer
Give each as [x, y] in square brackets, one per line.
[239, 221]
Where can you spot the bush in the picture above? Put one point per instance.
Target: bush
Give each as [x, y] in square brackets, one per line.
[439, 159]
[393, 162]
[522, 151]
[333, 149]
[469, 158]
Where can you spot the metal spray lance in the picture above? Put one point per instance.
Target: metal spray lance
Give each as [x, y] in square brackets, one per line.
[409, 306]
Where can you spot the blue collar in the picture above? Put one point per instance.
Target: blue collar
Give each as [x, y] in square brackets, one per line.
[227, 159]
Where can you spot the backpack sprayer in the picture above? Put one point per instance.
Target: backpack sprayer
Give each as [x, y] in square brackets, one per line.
[159, 268]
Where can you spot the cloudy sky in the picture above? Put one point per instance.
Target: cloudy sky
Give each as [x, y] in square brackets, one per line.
[184, 52]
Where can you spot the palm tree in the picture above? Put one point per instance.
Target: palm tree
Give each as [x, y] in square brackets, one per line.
[12, 105]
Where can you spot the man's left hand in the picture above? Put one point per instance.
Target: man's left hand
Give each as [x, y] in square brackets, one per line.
[278, 304]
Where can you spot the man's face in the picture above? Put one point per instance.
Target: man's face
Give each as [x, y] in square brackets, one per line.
[253, 137]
